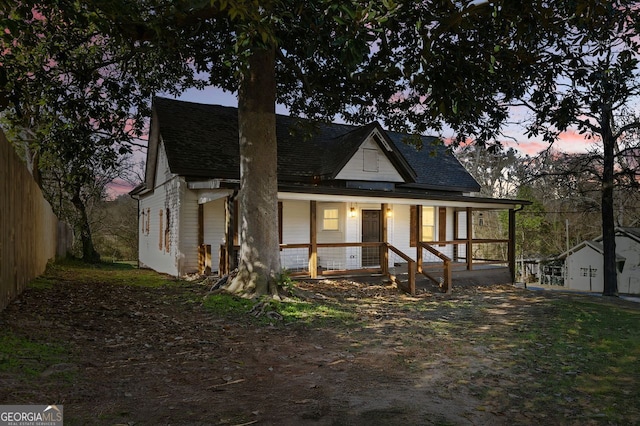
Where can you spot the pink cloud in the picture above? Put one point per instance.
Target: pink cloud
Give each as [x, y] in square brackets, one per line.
[529, 147]
[118, 187]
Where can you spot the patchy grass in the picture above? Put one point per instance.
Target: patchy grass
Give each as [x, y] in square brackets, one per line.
[293, 311]
[24, 356]
[124, 273]
[317, 314]
[583, 358]
[227, 305]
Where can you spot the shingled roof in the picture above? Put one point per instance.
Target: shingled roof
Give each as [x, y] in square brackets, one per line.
[201, 142]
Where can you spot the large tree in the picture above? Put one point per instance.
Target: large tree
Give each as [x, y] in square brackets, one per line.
[71, 102]
[319, 58]
[586, 80]
[417, 65]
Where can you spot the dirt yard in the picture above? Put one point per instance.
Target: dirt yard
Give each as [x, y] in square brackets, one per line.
[152, 356]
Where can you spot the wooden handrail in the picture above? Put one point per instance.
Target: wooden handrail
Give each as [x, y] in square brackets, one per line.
[475, 241]
[447, 283]
[399, 253]
[411, 271]
[433, 251]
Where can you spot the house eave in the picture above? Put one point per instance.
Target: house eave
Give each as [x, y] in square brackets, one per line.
[438, 188]
[311, 191]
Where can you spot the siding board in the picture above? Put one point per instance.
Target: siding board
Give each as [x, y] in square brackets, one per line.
[358, 167]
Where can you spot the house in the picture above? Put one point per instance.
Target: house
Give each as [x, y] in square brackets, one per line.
[350, 198]
[581, 267]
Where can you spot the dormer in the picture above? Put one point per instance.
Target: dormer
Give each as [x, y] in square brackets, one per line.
[373, 159]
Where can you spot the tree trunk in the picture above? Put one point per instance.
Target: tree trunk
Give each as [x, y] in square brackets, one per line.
[89, 253]
[608, 222]
[259, 263]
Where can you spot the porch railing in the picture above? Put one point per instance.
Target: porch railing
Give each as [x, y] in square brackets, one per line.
[435, 260]
[445, 282]
[337, 259]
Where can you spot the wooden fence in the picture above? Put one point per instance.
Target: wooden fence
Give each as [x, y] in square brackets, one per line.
[30, 233]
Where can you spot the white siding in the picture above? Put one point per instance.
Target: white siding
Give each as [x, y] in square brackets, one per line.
[295, 222]
[152, 252]
[295, 230]
[357, 169]
[586, 259]
[629, 279]
[163, 174]
[401, 230]
[188, 256]
[214, 229]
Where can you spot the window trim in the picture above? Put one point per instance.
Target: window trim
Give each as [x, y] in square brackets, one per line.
[325, 218]
[432, 226]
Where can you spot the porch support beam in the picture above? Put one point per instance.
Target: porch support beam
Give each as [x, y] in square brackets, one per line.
[230, 227]
[313, 240]
[418, 238]
[384, 250]
[469, 238]
[204, 252]
[200, 224]
[512, 245]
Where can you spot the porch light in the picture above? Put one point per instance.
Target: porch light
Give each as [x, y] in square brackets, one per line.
[352, 212]
[389, 212]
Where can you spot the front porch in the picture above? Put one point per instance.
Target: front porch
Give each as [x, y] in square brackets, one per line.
[468, 256]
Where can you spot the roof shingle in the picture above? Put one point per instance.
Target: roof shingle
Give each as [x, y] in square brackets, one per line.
[201, 141]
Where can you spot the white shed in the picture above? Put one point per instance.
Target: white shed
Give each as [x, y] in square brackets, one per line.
[628, 247]
[584, 263]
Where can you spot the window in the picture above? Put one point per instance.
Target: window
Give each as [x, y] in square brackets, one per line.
[330, 220]
[370, 160]
[143, 222]
[428, 223]
[586, 272]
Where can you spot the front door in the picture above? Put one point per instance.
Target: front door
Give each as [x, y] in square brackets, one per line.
[370, 233]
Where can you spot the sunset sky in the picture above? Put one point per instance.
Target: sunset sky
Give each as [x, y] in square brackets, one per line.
[570, 141]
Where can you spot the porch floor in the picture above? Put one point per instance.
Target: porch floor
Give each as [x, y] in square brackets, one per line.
[482, 275]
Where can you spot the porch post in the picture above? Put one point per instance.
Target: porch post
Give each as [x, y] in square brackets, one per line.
[202, 263]
[418, 238]
[469, 238]
[512, 245]
[384, 251]
[313, 241]
[229, 256]
[456, 235]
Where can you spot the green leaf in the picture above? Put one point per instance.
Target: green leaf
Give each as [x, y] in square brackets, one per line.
[339, 20]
